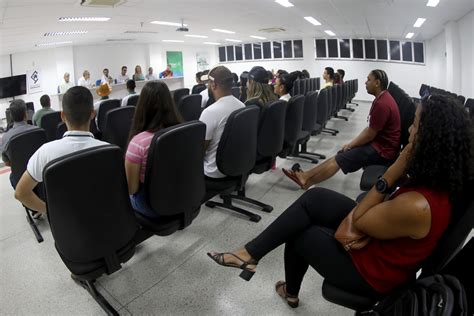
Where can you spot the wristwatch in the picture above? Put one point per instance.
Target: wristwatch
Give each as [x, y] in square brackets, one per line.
[382, 186]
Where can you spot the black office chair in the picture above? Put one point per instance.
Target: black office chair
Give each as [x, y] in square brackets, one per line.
[179, 93]
[104, 107]
[20, 149]
[449, 244]
[133, 100]
[331, 104]
[339, 89]
[236, 155]
[271, 134]
[190, 107]
[347, 94]
[174, 178]
[198, 88]
[236, 92]
[91, 219]
[469, 105]
[117, 126]
[323, 112]
[293, 124]
[49, 123]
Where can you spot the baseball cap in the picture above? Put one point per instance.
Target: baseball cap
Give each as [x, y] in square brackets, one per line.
[258, 74]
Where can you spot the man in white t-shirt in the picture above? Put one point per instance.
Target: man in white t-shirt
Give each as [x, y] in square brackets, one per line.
[106, 78]
[215, 116]
[85, 80]
[123, 77]
[67, 84]
[131, 91]
[77, 113]
[150, 75]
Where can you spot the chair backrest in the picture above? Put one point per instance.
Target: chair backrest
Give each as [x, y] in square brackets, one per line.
[424, 90]
[133, 100]
[322, 107]
[174, 178]
[318, 83]
[49, 123]
[117, 126]
[271, 132]
[243, 94]
[198, 88]
[407, 110]
[179, 93]
[91, 219]
[294, 119]
[21, 147]
[104, 108]
[236, 92]
[310, 111]
[190, 107]
[237, 149]
[469, 105]
[302, 87]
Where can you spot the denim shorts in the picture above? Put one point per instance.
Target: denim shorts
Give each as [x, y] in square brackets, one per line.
[140, 204]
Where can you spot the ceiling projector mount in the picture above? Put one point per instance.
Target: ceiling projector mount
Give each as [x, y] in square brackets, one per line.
[182, 28]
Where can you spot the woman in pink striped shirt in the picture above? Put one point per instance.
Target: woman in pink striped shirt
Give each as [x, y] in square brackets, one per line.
[155, 110]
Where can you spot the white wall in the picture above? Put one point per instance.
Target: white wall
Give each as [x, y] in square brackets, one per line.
[466, 29]
[436, 61]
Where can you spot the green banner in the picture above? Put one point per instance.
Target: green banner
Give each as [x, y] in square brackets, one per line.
[175, 59]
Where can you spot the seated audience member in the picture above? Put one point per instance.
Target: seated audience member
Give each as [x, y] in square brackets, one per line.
[244, 77]
[270, 77]
[258, 87]
[341, 73]
[103, 91]
[305, 74]
[215, 116]
[377, 144]
[328, 77]
[19, 118]
[131, 91]
[85, 80]
[138, 75]
[403, 230]
[167, 73]
[106, 78]
[155, 110]
[281, 72]
[283, 86]
[199, 86]
[337, 78]
[77, 113]
[236, 82]
[67, 84]
[207, 99]
[45, 102]
[123, 77]
[150, 75]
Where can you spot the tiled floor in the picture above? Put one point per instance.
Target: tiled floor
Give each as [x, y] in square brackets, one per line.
[172, 275]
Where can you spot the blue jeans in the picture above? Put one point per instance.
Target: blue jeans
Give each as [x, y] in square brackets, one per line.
[140, 204]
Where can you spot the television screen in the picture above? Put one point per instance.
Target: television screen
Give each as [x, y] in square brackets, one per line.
[12, 86]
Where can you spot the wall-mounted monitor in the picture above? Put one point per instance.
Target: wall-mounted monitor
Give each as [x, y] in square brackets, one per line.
[12, 86]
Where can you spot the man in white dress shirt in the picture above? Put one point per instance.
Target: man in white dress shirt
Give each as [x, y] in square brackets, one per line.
[63, 87]
[106, 78]
[123, 77]
[85, 80]
[150, 75]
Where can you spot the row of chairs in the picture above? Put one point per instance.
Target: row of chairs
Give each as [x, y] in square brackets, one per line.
[467, 102]
[304, 86]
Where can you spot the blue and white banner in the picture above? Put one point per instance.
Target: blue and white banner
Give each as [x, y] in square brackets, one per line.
[33, 78]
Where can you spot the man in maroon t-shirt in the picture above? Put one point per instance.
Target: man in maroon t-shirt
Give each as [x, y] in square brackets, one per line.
[377, 144]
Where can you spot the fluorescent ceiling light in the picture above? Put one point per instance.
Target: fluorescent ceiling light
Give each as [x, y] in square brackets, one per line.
[419, 22]
[233, 40]
[285, 3]
[312, 20]
[167, 23]
[258, 37]
[432, 3]
[64, 33]
[83, 19]
[53, 44]
[223, 31]
[409, 35]
[173, 41]
[329, 32]
[212, 43]
[196, 36]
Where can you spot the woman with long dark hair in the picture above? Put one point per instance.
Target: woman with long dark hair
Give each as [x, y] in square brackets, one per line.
[155, 110]
[403, 230]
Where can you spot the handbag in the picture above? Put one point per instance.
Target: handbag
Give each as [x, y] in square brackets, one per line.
[349, 236]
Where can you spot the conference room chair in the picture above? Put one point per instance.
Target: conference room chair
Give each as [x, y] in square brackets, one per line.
[296, 88]
[92, 220]
[469, 105]
[324, 111]
[355, 89]
[235, 158]
[179, 93]
[104, 107]
[174, 178]
[49, 123]
[293, 124]
[347, 93]
[236, 92]
[190, 107]
[117, 126]
[198, 88]
[339, 90]
[133, 100]
[447, 247]
[20, 149]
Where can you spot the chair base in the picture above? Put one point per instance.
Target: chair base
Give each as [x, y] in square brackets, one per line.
[345, 118]
[331, 131]
[227, 204]
[33, 226]
[90, 287]
[241, 196]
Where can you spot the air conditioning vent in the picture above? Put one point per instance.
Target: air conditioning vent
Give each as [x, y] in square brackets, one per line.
[272, 30]
[102, 3]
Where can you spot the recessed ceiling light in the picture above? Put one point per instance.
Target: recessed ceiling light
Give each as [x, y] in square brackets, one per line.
[212, 43]
[285, 3]
[258, 37]
[233, 40]
[173, 41]
[223, 31]
[53, 44]
[409, 35]
[312, 20]
[419, 22]
[329, 32]
[64, 33]
[196, 36]
[167, 23]
[83, 19]
[432, 3]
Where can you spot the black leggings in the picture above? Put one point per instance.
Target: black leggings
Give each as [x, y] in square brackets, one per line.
[307, 228]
